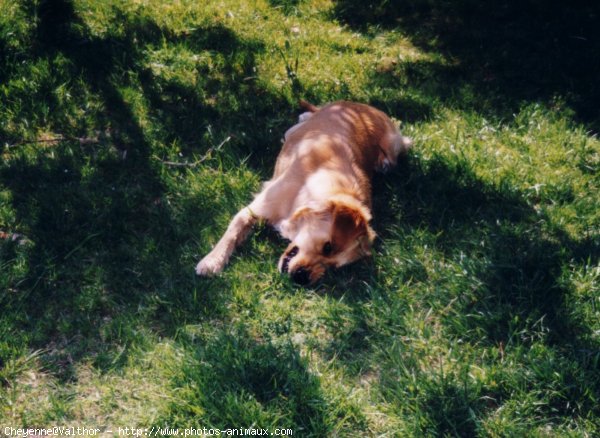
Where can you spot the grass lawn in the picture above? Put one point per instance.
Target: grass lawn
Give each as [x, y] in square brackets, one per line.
[132, 131]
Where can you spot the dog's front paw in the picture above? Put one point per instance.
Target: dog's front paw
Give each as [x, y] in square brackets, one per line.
[209, 265]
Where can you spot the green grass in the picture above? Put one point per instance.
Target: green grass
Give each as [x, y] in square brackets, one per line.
[131, 132]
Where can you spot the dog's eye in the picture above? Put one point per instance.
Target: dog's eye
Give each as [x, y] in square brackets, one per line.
[327, 248]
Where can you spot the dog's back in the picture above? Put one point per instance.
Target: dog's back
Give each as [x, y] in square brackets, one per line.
[342, 132]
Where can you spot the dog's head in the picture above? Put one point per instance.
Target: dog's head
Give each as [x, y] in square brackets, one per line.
[326, 236]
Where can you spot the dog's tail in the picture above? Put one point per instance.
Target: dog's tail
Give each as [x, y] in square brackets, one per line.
[308, 106]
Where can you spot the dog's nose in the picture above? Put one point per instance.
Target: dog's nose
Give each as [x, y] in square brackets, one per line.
[301, 276]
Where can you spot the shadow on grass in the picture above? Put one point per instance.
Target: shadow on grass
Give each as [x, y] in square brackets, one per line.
[526, 252]
[518, 259]
[234, 379]
[108, 258]
[501, 54]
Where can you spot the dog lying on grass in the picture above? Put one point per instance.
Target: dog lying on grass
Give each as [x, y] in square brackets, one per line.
[319, 197]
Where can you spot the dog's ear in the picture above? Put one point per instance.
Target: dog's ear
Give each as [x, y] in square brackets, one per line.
[351, 225]
[289, 227]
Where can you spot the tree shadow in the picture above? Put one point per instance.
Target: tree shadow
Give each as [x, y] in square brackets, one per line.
[451, 202]
[518, 259]
[238, 380]
[500, 54]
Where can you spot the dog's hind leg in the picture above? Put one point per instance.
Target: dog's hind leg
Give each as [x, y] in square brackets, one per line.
[392, 145]
[236, 233]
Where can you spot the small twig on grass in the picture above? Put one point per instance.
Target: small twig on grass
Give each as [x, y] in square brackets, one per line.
[57, 139]
[177, 164]
[80, 245]
[200, 160]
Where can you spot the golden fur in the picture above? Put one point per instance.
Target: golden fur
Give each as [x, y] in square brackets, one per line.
[319, 197]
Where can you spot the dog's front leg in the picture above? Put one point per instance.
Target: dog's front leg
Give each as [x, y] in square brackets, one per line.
[236, 233]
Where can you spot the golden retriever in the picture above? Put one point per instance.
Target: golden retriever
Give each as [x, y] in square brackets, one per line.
[319, 197]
